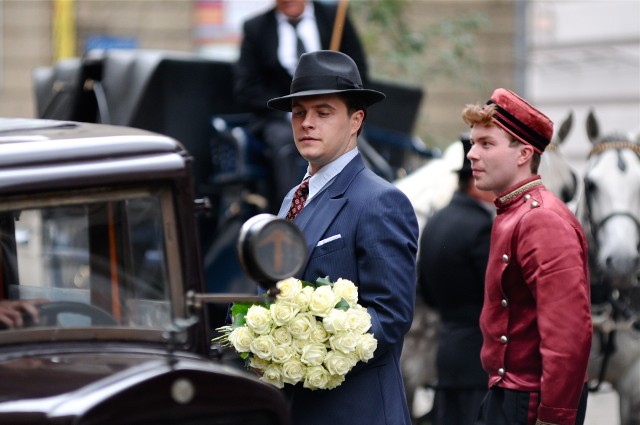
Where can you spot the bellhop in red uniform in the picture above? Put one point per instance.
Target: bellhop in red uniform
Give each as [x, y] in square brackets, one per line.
[536, 319]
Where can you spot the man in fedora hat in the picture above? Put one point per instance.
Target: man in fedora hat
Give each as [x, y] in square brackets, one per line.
[358, 227]
[454, 248]
[536, 318]
[269, 53]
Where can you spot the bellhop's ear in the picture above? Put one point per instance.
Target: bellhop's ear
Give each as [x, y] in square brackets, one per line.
[526, 153]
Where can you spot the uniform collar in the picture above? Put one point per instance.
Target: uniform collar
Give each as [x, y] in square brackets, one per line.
[516, 192]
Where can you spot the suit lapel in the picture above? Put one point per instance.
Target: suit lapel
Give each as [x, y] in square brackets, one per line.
[315, 218]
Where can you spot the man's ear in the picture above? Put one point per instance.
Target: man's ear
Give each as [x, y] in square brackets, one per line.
[526, 153]
[356, 119]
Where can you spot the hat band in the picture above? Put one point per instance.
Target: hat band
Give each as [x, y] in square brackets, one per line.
[322, 82]
[518, 128]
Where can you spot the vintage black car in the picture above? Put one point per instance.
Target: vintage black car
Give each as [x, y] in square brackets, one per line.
[99, 221]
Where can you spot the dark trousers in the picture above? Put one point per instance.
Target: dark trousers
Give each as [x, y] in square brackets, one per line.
[509, 407]
[457, 406]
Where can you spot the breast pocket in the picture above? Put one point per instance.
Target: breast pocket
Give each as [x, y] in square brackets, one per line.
[328, 247]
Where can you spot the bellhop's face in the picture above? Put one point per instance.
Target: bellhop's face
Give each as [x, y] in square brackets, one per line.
[291, 8]
[494, 158]
[323, 129]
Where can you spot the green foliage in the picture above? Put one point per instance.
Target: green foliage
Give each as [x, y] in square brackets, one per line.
[422, 51]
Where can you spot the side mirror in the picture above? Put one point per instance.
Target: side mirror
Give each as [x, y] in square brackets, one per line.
[270, 249]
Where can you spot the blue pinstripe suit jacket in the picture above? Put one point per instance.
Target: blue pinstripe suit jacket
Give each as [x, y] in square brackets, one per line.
[377, 251]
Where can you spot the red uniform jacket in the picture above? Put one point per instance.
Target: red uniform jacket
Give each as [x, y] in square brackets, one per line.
[536, 318]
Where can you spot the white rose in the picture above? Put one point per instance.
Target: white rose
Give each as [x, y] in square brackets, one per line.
[365, 347]
[322, 301]
[258, 363]
[346, 289]
[313, 354]
[316, 378]
[336, 321]
[343, 341]
[334, 381]
[338, 363]
[283, 311]
[263, 347]
[258, 319]
[299, 343]
[289, 289]
[241, 339]
[319, 334]
[293, 371]
[359, 320]
[302, 325]
[281, 336]
[273, 375]
[282, 353]
[304, 298]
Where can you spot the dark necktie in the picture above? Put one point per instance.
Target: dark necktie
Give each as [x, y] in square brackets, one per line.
[299, 44]
[299, 199]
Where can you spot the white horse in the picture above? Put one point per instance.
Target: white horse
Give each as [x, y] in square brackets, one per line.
[609, 209]
[430, 188]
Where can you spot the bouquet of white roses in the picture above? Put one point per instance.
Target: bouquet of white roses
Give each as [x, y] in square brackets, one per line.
[310, 333]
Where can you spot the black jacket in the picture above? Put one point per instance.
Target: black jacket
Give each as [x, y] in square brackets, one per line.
[259, 76]
[454, 249]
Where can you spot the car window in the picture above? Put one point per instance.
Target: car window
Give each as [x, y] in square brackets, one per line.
[100, 259]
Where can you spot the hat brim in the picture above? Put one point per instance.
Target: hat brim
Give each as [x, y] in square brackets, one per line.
[368, 96]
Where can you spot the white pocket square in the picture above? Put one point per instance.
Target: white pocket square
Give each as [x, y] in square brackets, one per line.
[329, 239]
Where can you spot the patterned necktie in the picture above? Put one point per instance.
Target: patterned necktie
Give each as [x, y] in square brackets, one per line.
[299, 199]
[299, 44]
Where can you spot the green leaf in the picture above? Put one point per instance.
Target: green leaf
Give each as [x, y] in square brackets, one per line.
[323, 281]
[239, 320]
[240, 308]
[342, 305]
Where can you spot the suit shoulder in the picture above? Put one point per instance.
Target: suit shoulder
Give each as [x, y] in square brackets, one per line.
[260, 20]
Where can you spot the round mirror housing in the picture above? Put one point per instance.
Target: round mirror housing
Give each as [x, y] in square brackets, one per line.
[271, 249]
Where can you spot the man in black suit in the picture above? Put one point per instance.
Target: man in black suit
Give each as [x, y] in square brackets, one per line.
[454, 250]
[268, 57]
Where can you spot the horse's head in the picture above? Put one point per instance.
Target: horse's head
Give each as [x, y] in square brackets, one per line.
[558, 176]
[610, 210]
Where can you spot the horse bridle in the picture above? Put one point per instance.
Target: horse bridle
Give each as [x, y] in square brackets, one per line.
[618, 308]
[594, 227]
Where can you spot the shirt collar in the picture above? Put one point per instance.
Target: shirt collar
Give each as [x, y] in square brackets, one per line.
[322, 178]
[517, 191]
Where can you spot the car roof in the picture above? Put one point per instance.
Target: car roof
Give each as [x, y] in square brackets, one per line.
[48, 155]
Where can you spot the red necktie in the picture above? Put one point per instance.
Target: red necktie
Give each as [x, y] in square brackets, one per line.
[299, 199]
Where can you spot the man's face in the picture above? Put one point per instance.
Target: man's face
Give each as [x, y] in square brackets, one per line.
[494, 158]
[322, 128]
[291, 8]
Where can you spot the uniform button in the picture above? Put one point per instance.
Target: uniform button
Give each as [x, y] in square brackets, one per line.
[503, 340]
[501, 372]
[534, 204]
[527, 197]
[505, 258]
[504, 302]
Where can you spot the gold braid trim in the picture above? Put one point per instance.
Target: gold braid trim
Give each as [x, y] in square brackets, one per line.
[539, 422]
[509, 196]
[597, 149]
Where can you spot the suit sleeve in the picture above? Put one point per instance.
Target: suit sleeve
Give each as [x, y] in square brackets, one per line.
[553, 264]
[387, 235]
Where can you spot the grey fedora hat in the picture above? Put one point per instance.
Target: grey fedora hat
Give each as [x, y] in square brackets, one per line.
[325, 72]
